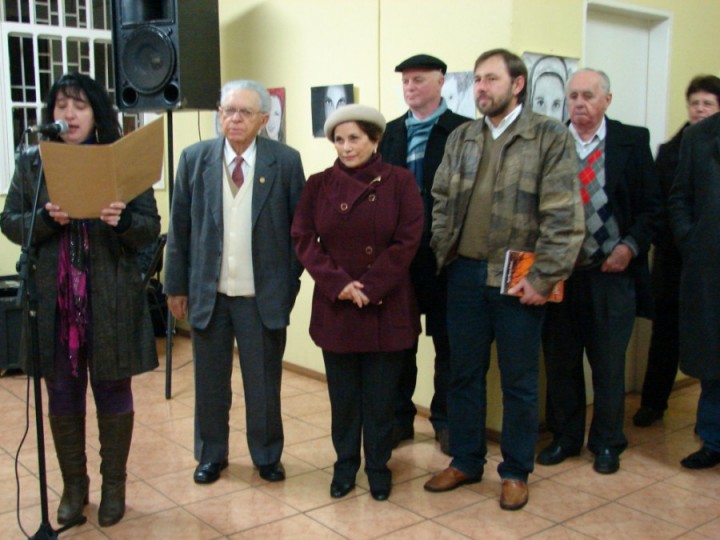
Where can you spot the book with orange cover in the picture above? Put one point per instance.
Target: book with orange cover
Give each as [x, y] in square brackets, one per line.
[517, 265]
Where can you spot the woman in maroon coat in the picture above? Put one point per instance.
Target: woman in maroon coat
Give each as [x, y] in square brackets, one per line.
[356, 229]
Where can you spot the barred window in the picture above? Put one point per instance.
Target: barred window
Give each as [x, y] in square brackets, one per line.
[75, 14]
[47, 12]
[17, 11]
[101, 14]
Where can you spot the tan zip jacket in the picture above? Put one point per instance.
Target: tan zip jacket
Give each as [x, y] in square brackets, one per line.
[536, 202]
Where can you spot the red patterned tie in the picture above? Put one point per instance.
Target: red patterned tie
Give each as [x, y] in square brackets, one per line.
[237, 175]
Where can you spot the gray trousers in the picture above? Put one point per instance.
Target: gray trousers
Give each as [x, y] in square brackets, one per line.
[261, 351]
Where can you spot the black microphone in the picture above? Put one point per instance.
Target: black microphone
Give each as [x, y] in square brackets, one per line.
[55, 128]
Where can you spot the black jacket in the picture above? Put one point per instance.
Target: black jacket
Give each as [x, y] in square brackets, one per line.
[429, 287]
[667, 262]
[632, 189]
[122, 341]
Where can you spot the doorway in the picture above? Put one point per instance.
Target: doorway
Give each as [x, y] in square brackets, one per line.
[632, 45]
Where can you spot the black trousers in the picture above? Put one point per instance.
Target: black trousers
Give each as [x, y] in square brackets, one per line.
[362, 389]
[431, 293]
[664, 353]
[404, 407]
[596, 318]
[663, 357]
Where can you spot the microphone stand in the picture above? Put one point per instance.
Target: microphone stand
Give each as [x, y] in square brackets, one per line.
[27, 294]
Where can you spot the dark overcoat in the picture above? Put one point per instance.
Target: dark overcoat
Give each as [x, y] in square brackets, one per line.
[123, 342]
[695, 214]
[346, 229]
[634, 197]
[667, 263]
[430, 285]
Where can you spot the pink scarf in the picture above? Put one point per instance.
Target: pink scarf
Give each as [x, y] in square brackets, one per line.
[73, 288]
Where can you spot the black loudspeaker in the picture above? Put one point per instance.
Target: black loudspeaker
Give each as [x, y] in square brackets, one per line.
[10, 323]
[167, 54]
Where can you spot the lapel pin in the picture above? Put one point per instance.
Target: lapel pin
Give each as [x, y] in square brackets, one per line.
[262, 179]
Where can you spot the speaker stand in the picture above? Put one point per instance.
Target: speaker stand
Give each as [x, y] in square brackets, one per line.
[170, 326]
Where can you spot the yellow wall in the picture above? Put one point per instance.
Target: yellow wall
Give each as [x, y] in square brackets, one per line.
[550, 27]
[9, 253]
[456, 31]
[695, 41]
[307, 43]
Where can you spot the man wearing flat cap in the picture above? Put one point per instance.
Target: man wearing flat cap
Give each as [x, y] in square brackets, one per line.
[416, 141]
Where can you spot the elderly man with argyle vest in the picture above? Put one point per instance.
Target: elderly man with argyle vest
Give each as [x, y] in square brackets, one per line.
[610, 283]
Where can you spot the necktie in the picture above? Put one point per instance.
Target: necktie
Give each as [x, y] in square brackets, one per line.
[237, 174]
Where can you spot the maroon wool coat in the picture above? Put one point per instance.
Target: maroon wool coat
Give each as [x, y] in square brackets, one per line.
[365, 228]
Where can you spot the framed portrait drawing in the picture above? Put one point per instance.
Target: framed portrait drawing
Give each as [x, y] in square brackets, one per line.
[275, 127]
[324, 100]
[458, 93]
[547, 77]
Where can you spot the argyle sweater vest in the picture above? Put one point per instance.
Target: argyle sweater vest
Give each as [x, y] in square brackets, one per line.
[601, 229]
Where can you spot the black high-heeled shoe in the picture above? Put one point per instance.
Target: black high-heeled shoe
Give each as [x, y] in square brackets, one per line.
[380, 494]
[340, 489]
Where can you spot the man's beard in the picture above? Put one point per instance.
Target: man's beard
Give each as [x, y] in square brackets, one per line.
[499, 108]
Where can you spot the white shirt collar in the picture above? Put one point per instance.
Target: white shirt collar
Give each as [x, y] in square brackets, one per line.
[585, 147]
[504, 123]
[248, 155]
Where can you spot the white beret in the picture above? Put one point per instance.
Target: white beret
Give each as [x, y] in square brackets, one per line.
[353, 113]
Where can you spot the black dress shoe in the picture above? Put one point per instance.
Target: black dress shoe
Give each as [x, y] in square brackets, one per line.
[702, 459]
[554, 454]
[272, 473]
[207, 473]
[402, 433]
[646, 416]
[606, 461]
[340, 489]
[380, 494]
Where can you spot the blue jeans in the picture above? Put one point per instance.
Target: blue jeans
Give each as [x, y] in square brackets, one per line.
[708, 414]
[477, 316]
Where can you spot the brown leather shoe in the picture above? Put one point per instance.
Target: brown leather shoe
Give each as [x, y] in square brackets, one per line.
[514, 494]
[450, 479]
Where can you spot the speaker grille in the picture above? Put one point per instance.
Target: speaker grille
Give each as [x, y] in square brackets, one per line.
[148, 60]
[166, 54]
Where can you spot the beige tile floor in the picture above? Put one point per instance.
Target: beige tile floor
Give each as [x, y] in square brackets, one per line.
[650, 497]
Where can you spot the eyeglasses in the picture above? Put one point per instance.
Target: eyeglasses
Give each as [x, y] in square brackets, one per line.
[245, 114]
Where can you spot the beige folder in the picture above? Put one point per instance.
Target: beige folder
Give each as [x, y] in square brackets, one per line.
[84, 179]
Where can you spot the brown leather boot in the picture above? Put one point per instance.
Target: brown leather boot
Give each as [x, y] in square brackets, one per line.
[115, 436]
[69, 436]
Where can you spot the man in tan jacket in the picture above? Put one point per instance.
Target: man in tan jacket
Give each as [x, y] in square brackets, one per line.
[506, 181]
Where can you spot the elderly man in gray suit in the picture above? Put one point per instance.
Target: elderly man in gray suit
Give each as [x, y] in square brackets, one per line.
[231, 269]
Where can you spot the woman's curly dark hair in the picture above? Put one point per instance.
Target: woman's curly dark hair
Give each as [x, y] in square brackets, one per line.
[72, 85]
